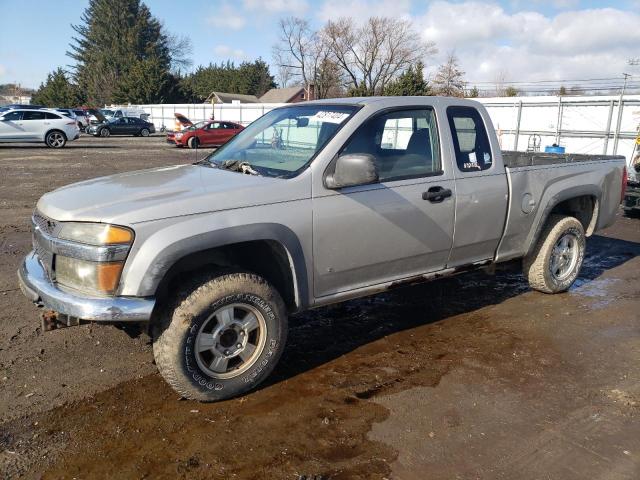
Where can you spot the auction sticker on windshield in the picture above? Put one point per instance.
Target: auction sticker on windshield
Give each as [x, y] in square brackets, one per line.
[327, 116]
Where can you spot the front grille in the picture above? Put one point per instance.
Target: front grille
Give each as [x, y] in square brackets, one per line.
[43, 225]
[46, 225]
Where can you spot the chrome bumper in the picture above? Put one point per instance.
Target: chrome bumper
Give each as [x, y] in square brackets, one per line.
[37, 287]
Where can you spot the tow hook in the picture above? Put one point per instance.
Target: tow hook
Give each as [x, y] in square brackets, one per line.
[51, 320]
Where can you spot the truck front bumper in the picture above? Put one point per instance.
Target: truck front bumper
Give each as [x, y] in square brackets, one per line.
[37, 287]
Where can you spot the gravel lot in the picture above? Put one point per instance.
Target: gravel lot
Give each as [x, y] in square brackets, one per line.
[469, 377]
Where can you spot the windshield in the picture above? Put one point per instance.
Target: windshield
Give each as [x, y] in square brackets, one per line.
[107, 113]
[197, 125]
[282, 142]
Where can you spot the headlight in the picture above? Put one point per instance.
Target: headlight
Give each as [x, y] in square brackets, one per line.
[92, 277]
[96, 233]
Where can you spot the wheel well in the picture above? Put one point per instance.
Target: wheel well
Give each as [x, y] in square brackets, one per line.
[56, 130]
[266, 258]
[584, 208]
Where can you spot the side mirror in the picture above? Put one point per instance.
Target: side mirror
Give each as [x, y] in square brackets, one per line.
[302, 122]
[351, 170]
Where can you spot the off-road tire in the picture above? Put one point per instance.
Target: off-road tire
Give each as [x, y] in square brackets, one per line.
[193, 142]
[175, 332]
[536, 265]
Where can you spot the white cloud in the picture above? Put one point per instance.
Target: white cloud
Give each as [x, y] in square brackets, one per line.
[226, 16]
[227, 52]
[363, 9]
[290, 7]
[528, 45]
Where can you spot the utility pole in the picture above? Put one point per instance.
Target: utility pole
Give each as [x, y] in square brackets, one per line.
[619, 122]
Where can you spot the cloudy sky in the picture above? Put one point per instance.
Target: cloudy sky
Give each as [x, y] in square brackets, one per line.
[519, 40]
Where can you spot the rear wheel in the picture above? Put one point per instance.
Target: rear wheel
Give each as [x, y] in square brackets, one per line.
[55, 139]
[555, 262]
[193, 142]
[105, 132]
[144, 132]
[221, 337]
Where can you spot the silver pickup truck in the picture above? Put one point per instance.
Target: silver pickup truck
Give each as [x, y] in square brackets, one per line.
[311, 204]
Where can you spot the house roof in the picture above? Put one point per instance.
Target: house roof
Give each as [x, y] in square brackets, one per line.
[222, 97]
[280, 95]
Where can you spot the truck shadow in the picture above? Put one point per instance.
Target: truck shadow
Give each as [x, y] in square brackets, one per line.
[319, 336]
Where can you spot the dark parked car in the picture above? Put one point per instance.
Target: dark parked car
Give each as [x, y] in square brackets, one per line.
[123, 126]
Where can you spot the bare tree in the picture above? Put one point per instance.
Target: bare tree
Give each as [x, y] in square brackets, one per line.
[284, 75]
[304, 56]
[500, 81]
[373, 54]
[181, 49]
[449, 78]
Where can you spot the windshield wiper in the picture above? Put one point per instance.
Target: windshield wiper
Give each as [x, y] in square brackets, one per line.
[238, 166]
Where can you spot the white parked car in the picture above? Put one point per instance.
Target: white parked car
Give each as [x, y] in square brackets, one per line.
[30, 125]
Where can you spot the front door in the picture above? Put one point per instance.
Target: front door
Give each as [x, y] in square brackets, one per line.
[11, 126]
[393, 229]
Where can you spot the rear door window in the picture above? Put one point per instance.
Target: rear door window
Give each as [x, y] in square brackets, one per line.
[33, 116]
[52, 116]
[470, 139]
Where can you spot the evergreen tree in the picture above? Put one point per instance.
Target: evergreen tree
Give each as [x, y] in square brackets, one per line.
[511, 91]
[411, 82]
[57, 91]
[249, 78]
[147, 81]
[473, 93]
[115, 39]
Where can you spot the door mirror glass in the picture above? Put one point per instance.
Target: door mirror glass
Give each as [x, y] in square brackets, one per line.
[302, 122]
[351, 170]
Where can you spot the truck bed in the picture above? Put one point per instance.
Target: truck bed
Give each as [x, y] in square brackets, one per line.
[527, 159]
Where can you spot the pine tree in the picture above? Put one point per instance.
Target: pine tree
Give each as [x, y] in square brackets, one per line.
[115, 38]
[57, 91]
[410, 82]
[473, 93]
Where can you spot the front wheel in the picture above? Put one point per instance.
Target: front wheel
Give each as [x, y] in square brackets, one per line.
[555, 262]
[221, 337]
[55, 139]
[193, 142]
[105, 132]
[144, 132]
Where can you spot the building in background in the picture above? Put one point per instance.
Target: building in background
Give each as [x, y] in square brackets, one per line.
[285, 95]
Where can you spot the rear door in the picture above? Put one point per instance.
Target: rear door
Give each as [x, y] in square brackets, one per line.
[481, 187]
[35, 124]
[11, 127]
[394, 229]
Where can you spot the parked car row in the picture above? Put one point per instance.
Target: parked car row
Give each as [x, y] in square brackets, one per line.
[57, 126]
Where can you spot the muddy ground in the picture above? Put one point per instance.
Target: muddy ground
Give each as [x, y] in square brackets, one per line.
[469, 377]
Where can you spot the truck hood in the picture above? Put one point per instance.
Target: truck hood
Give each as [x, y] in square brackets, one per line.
[146, 195]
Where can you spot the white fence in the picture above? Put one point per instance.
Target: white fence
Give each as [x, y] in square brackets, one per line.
[594, 125]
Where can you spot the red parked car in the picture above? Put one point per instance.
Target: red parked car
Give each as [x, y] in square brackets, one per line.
[212, 133]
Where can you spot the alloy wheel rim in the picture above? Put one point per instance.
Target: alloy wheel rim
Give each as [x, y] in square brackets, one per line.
[564, 257]
[230, 341]
[56, 139]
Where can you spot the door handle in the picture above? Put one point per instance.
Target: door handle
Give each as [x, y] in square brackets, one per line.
[437, 194]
